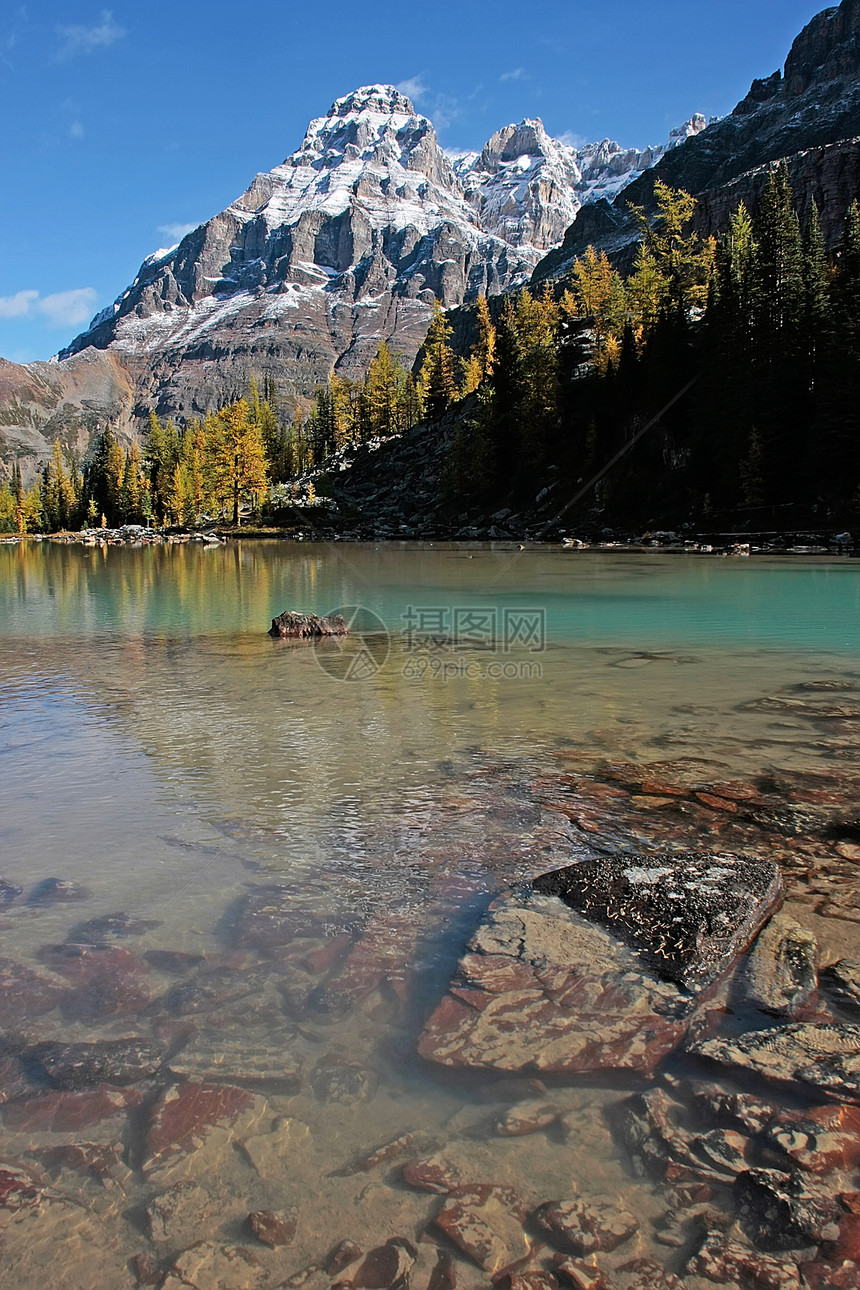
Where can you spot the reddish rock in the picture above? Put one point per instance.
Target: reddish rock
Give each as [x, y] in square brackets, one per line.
[104, 995]
[582, 1276]
[25, 994]
[542, 989]
[91, 1159]
[379, 957]
[824, 1138]
[398, 1146]
[19, 1188]
[386, 1267]
[148, 1270]
[586, 1226]
[61, 1112]
[486, 1223]
[847, 1244]
[730, 1263]
[433, 1174]
[444, 1275]
[538, 1279]
[647, 1274]
[832, 1276]
[185, 1114]
[274, 1227]
[820, 1054]
[343, 1254]
[717, 803]
[83, 963]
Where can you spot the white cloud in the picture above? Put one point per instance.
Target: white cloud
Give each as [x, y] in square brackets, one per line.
[414, 89]
[572, 139]
[19, 305]
[61, 308]
[68, 308]
[176, 231]
[516, 75]
[82, 38]
[76, 130]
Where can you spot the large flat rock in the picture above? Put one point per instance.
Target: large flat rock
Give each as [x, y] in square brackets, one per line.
[541, 989]
[687, 915]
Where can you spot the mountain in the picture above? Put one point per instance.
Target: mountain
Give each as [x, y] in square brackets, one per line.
[346, 243]
[808, 113]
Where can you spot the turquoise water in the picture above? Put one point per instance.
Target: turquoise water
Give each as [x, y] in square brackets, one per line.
[652, 601]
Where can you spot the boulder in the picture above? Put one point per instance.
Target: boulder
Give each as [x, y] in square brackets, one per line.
[687, 915]
[541, 989]
[291, 623]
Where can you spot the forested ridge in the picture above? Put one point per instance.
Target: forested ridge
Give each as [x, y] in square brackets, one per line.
[719, 380]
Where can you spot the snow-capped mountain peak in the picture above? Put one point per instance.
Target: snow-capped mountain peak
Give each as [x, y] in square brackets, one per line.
[348, 242]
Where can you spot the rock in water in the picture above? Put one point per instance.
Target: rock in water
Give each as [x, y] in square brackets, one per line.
[291, 623]
[782, 971]
[687, 915]
[824, 1055]
[539, 989]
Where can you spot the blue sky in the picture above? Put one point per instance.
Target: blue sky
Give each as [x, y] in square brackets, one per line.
[124, 125]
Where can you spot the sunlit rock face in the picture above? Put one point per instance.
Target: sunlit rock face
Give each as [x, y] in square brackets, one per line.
[346, 243]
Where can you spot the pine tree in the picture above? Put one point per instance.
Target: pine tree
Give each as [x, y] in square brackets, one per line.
[479, 364]
[436, 383]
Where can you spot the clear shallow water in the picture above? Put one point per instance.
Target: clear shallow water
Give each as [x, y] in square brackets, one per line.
[157, 747]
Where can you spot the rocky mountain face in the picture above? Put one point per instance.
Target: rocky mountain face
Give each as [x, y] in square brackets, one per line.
[348, 242]
[70, 401]
[808, 114]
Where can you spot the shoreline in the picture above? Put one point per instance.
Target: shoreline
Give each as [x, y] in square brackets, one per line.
[740, 545]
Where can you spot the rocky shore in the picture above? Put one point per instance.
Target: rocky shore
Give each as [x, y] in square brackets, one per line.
[665, 1109]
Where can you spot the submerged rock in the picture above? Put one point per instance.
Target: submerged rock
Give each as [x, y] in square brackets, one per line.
[8, 892]
[841, 981]
[540, 989]
[777, 1212]
[822, 1054]
[586, 1226]
[688, 915]
[729, 1263]
[486, 1223]
[176, 1216]
[273, 1226]
[57, 891]
[291, 623]
[24, 993]
[782, 970]
[109, 1061]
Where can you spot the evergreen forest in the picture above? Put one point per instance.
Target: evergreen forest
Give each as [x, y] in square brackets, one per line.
[717, 382]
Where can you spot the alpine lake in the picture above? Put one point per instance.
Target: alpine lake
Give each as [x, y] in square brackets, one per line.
[257, 862]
